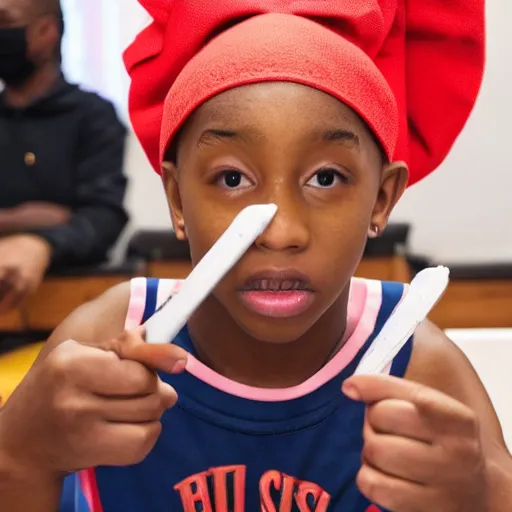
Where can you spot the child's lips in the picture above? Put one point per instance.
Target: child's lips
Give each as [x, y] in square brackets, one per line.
[277, 293]
[277, 304]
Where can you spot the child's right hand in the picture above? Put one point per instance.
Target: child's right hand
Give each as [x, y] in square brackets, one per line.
[85, 406]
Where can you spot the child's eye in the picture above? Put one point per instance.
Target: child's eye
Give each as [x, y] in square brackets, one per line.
[326, 178]
[233, 179]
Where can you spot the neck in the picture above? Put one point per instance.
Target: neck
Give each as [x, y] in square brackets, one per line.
[38, 84]
[234, 354]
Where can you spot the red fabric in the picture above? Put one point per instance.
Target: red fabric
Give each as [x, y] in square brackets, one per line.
[430, 53]
[285, 48]
[89, 487]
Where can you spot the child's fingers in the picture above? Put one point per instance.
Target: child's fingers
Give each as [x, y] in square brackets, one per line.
[402, 457]
[124, 444]
[168, 358]
[140, 409]
[165, 357]
[440, 409]
[394, 493]
[399, 418]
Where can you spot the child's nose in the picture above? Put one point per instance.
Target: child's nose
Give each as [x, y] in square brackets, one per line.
[289, 229]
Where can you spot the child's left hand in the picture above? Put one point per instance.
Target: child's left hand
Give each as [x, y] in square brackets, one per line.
[422, 449]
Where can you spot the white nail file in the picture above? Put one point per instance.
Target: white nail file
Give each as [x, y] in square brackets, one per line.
[168, 321]
[424, 292]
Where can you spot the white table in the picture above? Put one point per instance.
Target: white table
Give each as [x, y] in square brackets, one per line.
[490, 352]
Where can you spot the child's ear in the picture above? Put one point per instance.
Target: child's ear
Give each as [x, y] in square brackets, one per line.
[394, 182]
[172, 191]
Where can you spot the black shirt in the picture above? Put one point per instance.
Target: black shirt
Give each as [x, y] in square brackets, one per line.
[67, 148]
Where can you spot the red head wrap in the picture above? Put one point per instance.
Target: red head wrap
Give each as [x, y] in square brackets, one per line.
[411, 69]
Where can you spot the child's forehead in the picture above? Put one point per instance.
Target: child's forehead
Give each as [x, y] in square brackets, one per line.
[259, 106]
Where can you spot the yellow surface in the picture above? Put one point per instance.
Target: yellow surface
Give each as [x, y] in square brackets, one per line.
[14, 366]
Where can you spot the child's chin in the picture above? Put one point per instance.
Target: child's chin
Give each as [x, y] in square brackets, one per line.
[276, 331]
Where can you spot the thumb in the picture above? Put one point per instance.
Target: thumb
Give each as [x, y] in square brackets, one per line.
[371, 389]
[165, 357]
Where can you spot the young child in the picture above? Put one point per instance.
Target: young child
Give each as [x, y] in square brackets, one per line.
[318, 107]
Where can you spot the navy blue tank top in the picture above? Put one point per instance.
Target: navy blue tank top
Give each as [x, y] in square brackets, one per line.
[226, 447]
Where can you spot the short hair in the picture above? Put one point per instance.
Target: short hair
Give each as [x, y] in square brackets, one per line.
[51, 8]
[45, 6]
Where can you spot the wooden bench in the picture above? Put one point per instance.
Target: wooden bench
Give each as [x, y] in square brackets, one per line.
[478, 296]
[64, 291]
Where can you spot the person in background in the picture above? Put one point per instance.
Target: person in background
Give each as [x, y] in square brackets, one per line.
[62, 185]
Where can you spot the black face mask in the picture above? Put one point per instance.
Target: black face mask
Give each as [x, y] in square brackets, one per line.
[15, 66]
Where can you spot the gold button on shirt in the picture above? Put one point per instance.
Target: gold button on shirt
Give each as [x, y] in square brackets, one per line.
[30, 159]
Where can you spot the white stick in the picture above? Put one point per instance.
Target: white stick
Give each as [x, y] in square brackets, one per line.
[424, 292]
[168, 321]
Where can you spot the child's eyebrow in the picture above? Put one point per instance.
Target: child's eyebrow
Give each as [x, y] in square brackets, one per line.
[342, 136]
[215, 135]
[336, 136]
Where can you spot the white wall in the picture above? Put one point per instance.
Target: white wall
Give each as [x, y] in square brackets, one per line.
[462, 213]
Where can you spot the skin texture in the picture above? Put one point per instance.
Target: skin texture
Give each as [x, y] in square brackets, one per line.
[432, 440]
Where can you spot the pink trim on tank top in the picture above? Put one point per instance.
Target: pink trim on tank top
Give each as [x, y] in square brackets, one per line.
[166, 288]
[89, 486]
[137, 304]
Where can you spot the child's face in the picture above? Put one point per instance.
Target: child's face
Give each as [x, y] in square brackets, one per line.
[311, 155]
